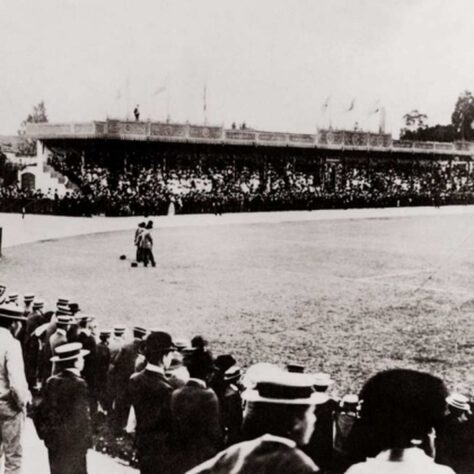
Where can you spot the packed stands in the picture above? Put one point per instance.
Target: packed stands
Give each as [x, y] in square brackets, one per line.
[209, 181]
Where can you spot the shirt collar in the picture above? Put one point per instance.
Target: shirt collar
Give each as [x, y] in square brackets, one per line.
[61, 331]
[74, 371]
[155, 368]
[408, 454]
[279, 439]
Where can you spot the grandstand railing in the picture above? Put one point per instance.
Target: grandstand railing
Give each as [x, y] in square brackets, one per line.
[175, 132]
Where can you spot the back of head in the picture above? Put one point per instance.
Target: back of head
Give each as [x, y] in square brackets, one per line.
[399, 406]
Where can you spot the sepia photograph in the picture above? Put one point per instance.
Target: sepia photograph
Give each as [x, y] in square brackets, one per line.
[236, 237]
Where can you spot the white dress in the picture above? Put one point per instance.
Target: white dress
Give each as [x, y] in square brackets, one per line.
[413, 461]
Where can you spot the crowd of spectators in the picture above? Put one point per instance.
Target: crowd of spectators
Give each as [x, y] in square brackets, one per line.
[163, 183]
[178, 405]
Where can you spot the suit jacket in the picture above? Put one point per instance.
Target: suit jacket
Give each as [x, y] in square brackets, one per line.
[123, 366]
[196, 425]
[320, 446]
[150, 393]
[265, 455]
[90, 361]
[102, 365]
[65, 422]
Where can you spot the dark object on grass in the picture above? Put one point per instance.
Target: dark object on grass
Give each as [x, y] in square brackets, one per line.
[123, 257]
[134, 264]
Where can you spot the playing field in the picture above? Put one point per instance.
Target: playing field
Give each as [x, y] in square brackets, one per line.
[345, 296]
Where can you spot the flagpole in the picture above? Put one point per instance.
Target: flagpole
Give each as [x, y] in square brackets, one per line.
[205, 104]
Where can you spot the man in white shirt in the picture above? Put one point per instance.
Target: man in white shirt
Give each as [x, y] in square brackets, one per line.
[14, 393]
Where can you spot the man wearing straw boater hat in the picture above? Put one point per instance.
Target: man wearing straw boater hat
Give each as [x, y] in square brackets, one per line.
[64, 414]
[278, 419]
[32, 344]
[150, 393]
[14, 394]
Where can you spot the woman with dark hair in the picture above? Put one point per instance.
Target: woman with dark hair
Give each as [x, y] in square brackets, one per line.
[400, 410]
[278, 419]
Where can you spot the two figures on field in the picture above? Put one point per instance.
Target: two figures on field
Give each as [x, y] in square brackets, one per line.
[144, 243]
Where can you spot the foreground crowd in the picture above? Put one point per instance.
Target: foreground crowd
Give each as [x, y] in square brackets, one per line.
[192, 412]
[163, 183]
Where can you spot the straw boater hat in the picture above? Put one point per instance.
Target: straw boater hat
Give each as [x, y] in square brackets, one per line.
[139, 331]
[456, 400]
[285, 388]
[105, 332]
[84, 318]
[13, 297]
[182, 343]
[38, 304]
[64, 320]
[322, 379]
[11, 311]
[257, 372]
[28, 298]
[232, 374]
[119, 329]
[70, 351]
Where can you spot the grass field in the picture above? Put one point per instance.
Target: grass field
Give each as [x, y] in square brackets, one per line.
[349, 296]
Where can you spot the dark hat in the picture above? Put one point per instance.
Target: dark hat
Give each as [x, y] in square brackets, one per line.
[139, 331]
[295, 368]
[224, 362]
[158, 341]
[11, 311]
[105, 333]
[70, 351]
[123, 257]
[74, 307]
[285, 388]
[199, 342]
[134, 264]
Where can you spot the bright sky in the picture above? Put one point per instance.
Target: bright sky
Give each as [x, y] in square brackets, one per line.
[270, 63]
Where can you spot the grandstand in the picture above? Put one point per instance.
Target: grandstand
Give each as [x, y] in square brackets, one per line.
[132, 168]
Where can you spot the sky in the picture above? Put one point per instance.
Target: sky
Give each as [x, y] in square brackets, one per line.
[272, 64]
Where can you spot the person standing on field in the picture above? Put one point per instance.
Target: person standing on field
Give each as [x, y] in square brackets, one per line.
[14, 393]
[146, 244]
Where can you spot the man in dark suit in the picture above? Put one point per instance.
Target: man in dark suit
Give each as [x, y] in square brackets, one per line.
[32, 343]
[58, 338]
[89, 343]
[196, 425]
[150, 394]
[320, 446]
[64, 421]
[102, 369]
[121, 369]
